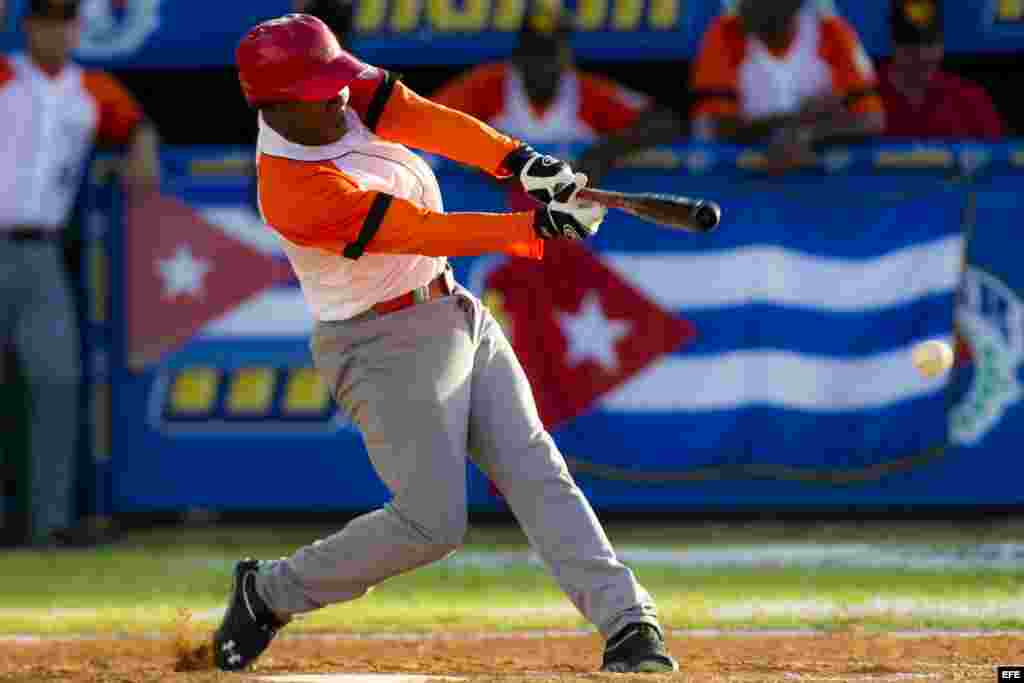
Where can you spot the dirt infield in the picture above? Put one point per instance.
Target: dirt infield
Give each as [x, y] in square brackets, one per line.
[846, 656]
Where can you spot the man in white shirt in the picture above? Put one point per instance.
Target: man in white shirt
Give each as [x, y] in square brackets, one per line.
[54, 112]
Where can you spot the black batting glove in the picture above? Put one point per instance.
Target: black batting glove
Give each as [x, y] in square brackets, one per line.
[542, 177]
[568, 220]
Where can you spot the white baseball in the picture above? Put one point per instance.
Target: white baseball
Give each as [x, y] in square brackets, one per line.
[932, 357]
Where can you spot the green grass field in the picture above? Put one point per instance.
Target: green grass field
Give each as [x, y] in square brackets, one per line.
[140, 584]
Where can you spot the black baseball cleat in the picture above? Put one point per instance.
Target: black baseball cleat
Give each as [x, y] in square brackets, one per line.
[638, 648]
[248, 625]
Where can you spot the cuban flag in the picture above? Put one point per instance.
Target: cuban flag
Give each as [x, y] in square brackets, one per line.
[777, 348]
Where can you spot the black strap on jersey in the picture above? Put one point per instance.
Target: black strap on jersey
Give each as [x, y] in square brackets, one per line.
[380, 98]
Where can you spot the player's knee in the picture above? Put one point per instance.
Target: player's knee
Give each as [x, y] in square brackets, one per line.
[439, 523]
[446, 534]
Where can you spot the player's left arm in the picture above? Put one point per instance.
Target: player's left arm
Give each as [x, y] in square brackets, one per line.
[396, 113]
[123, 123]
[393, 111]
[855, 86]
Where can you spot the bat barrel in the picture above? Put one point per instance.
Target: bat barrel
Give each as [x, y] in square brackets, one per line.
[706, 215]
[672, 211]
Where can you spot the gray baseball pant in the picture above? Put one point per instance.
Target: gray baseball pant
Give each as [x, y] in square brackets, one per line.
[422, 384]
[37, 315]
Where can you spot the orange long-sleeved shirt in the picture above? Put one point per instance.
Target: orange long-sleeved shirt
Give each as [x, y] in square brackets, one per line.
[315, 202]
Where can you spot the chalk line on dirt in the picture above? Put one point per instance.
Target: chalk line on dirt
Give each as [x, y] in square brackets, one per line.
[28, 639]
[880, 606]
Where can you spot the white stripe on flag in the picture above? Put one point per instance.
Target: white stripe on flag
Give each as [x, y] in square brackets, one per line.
[674, 280]
[280, 312]
[773, 275]
[776, 378]
[244, 225]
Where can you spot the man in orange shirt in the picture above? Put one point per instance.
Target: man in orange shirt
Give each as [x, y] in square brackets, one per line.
[53, 114]
[412, 358]
[540, 96]
[787, 73]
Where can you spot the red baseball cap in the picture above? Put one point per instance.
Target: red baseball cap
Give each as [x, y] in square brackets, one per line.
[294, 58]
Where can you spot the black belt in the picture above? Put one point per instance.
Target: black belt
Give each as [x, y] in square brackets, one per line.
[30, 235]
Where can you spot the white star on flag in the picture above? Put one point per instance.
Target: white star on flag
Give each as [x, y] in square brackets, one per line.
[591, 335]
[183, 273]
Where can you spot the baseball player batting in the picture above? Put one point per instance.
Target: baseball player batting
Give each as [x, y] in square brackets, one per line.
[413, 358]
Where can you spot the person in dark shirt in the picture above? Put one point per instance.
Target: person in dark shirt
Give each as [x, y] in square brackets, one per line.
[921, 100]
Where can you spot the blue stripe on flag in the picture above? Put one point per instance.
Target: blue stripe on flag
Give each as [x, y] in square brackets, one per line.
[817, 332]
[824, 226]
[757, 434]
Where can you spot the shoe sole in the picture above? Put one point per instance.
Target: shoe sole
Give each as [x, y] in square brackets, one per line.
[655, 668]
[647, 667]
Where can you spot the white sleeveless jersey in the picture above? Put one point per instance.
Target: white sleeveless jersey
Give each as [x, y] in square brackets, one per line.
[336, 287]
[49, 128]
[560, 123]
[778, 85]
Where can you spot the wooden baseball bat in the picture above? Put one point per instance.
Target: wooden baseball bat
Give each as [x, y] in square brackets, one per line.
[668, 210]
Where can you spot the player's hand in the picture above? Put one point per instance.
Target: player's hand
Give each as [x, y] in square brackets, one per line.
[569, 220]
[542, 177]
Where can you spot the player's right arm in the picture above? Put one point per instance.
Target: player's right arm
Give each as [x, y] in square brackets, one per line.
[317, 205]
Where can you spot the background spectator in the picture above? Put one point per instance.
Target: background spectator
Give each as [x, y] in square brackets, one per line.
[786, 72]
[43, 91]
[541, 97]
[922, 100]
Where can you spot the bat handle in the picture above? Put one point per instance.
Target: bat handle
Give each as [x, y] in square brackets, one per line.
[603, 197]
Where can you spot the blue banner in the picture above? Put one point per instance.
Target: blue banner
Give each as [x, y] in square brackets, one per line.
[765, 364]
[191, 33]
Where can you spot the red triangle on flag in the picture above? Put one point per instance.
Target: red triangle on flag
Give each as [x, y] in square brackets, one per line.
[579, 329]
[181, 273]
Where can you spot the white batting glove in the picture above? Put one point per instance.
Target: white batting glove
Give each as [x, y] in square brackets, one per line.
[571, 219]
[543, 177]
